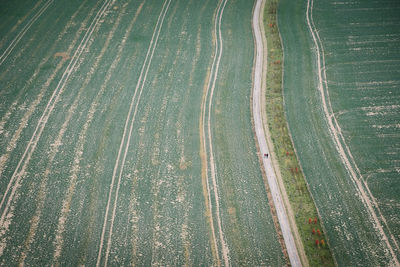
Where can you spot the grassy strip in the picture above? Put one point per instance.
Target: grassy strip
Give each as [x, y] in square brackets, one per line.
[294, 181]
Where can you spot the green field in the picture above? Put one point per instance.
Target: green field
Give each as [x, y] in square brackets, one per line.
[357, 190]
[126, 137]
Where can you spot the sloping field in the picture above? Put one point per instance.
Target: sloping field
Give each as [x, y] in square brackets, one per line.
[126, 138]
[342, 64]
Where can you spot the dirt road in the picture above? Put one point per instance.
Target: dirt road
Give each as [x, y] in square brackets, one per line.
[271, 177]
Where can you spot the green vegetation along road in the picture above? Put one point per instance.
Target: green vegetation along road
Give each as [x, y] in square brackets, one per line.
[126, 136]
[304, 218]
[258, 102]
[340, 75]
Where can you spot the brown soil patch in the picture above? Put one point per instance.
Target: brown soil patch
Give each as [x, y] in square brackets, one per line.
[64, 55]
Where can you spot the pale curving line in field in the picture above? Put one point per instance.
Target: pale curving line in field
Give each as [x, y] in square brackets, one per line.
[20, 21]
[204, 175]
[25, 46]
[24, 121]
[11, 145]
[183, 164]
[225, 249]
[53, 152]
[34, 222]
[59, 241]
[210, 90]
[13, 106]
[139, 88]
[166, 4]
[82, 136]
[185, 230]
[15, 41]
[340, 143]
[162, 229]
[24, 160]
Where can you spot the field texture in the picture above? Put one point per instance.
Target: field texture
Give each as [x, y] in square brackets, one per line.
[126, 136]
[342, 62]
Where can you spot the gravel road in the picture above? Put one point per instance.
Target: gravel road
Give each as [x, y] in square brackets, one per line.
[269, 170]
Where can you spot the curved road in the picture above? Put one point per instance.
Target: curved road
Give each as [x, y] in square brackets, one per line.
[271, 177]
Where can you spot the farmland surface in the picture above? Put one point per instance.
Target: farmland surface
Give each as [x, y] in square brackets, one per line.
[341, 81]
[126, 136]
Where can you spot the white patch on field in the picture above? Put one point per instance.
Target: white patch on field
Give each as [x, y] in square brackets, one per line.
[387, 126]
[180, 198]
[343, 3]
[374, 41]
[380, 170]
[156, 150]
[370, 114]
[141, 130]
[380, 108]
[170, 168]
[376, 83]
[390, 203]
[58, 142]
[390, 135]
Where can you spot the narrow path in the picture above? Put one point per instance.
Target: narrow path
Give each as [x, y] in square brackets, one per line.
[270, 172]
[209, 155]
[125, 142]
[65, 210]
